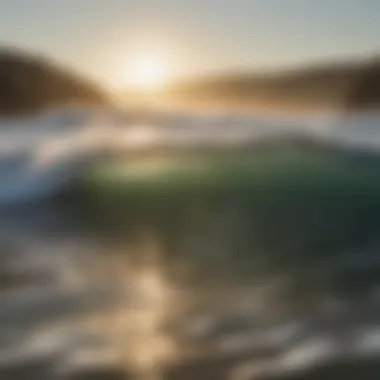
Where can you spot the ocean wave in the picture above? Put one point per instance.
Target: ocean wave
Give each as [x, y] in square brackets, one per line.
[43, 154]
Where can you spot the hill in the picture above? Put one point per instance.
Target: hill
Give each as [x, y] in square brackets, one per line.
[348, 86]
[29, 84]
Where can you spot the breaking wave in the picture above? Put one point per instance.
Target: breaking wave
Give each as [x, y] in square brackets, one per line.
[44, 154]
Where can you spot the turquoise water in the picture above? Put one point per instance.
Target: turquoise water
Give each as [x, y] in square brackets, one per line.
[302, 208]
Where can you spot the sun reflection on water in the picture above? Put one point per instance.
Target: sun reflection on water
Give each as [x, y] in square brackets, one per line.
[133, 328]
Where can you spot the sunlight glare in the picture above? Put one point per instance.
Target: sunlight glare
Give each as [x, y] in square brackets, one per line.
[146, 73]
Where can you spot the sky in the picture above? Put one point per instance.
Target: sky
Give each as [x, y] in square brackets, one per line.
[101, 38]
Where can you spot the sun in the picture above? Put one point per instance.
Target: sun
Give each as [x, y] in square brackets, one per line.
[146, 73]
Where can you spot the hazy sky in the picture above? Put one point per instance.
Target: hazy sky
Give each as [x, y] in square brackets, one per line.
[101, 37]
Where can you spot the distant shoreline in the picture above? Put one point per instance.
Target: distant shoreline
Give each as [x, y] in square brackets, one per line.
[31, 84]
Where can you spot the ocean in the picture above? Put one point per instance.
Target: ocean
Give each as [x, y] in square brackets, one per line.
[184, 245]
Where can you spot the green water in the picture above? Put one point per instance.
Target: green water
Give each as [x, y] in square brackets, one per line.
[299, 211]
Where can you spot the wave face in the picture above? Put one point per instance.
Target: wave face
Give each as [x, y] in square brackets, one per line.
[42, 155]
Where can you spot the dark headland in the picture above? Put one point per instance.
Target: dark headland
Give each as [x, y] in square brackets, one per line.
[347, 86]
[29, 83]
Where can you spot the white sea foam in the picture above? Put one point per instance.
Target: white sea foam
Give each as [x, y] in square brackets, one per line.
[42, 154]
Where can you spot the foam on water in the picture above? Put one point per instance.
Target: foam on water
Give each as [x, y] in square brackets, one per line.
[42, 154]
